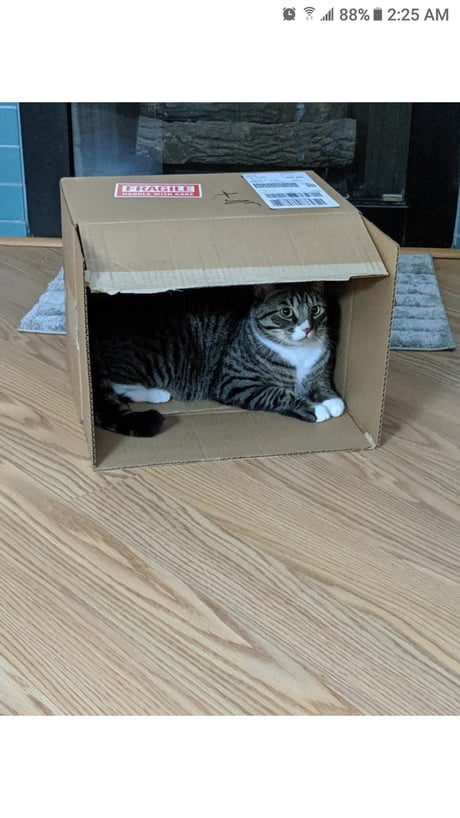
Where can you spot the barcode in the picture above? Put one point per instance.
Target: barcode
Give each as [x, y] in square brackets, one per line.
[297, 200]
[275, 184]
[295, 195]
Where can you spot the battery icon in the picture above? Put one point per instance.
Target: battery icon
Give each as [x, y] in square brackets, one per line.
[378, 14]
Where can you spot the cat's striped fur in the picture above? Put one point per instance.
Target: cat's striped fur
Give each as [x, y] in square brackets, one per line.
[265, 348]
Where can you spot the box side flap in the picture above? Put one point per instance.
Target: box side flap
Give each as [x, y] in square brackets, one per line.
[219, 435]
[152, 257]
[71, 273]
[368, 349]
[66, 200]
[77, 331]
[388, 248]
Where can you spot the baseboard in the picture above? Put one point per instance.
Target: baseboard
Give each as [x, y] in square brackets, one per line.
[435, 252]
[29, 241]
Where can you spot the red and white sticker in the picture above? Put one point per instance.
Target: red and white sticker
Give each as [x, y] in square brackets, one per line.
[162, 190]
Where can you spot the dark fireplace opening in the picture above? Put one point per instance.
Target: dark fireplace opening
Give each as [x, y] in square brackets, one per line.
[396, 162]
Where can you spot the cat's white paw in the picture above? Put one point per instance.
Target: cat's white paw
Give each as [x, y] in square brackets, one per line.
[335, 406]
[138, 393]
[330, 408]
[158, 395]
[321, 413]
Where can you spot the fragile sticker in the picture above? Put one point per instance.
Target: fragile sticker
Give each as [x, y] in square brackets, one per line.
[157, 190]
[289, 189]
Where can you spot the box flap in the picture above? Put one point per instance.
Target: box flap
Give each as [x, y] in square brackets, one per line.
[190, 436]
[92, 200]
[229, 235]
[158, 256]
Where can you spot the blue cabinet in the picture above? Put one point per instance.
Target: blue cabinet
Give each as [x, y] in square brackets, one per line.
[13, 217]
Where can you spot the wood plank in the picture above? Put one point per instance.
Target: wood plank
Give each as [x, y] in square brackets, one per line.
[286, 589]
[20, 697]
[307, 584]
[102, 630]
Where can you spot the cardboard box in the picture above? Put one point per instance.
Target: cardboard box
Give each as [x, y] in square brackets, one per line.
[151, 234]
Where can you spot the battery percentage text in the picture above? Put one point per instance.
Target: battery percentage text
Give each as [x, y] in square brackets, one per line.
[354, 14]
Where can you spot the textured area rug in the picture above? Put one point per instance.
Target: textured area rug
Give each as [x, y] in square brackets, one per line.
[419, 317]
[48, 314]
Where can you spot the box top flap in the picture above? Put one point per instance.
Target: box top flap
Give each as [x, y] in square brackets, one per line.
[152, 245]
[148, 257]
[93, 200]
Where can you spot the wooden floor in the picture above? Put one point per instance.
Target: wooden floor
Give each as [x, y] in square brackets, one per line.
[313, 584]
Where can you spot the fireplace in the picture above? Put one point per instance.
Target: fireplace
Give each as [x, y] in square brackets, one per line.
[397, 162]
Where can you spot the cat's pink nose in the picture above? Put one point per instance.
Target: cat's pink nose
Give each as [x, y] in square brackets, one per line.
[307, 330]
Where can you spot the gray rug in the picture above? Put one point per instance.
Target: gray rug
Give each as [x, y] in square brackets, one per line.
[419, 317]
[48, 314]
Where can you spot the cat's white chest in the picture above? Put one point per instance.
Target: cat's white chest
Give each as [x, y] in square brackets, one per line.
[302, 358]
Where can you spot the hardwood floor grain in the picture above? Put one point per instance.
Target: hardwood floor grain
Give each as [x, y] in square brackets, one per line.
[310, 584]
[96, 620]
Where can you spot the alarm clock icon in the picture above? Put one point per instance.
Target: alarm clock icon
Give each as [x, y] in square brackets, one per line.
[289, 13]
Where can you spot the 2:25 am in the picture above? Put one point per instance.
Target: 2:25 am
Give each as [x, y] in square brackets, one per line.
[414, 14]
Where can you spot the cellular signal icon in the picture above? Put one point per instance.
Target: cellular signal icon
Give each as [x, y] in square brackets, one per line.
[328, 16]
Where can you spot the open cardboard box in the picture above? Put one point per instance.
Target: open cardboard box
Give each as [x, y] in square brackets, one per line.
[156, 233]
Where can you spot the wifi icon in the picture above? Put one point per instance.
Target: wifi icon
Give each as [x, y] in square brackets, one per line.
[309, 12]
[328, 16]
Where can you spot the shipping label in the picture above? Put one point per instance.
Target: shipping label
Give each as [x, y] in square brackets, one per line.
[289, 189]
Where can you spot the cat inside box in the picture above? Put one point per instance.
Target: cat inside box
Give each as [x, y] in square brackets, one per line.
[267, 347]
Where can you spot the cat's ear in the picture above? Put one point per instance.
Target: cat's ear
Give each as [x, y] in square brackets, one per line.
[261, 291]
[318, 287]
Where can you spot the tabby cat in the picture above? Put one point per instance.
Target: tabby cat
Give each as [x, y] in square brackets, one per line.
[265, 348]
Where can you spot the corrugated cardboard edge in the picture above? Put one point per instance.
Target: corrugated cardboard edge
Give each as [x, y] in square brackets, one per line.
[90, 384]
[345, 334]
[113, 282]
[80, 368]
[102, 468]
[390, 260]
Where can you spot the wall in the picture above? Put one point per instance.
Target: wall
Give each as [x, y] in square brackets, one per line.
[13, 217]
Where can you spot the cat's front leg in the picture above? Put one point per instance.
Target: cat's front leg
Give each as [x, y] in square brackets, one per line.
[327, 404]
[322, 399]
[271, 399]
[302, 410]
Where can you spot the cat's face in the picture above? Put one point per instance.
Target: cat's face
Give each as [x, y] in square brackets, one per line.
[290, 315]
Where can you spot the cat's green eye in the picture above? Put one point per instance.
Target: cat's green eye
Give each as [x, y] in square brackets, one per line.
[316, 310]
[287, 312]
